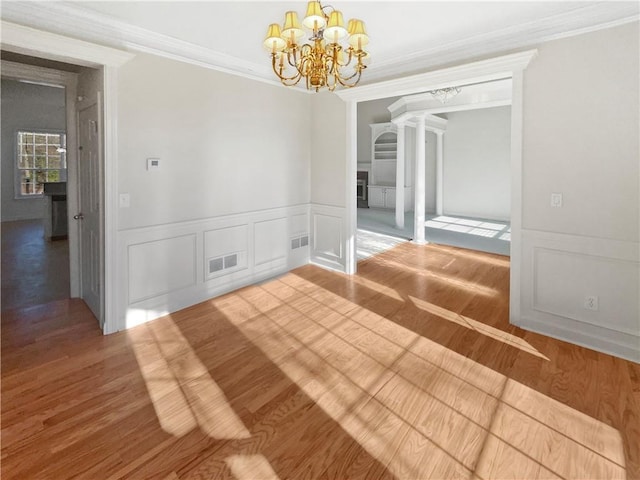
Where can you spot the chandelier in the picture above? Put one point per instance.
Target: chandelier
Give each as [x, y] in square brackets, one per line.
[323, 62]
[445, 94]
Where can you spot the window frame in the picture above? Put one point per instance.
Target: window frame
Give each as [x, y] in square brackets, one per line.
[17, 170]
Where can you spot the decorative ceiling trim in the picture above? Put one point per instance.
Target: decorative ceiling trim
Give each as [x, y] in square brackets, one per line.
[31, 41]
[582, 20]
[78, 22]
[497, 68]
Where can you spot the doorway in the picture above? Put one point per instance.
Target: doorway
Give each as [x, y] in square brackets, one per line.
[48, 253]
[467, 166]
[508, 66]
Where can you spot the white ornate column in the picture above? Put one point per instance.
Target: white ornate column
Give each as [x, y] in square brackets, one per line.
[400, 161]
[420, 195]
[439, 173]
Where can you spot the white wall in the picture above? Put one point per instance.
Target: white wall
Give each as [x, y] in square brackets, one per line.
[477, 171]
[581, 139]
[234, 179]
[328, 177]
[226, 144]
[26, 106]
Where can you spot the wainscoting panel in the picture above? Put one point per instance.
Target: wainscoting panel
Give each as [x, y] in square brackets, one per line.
[161, 266]
[560, 272]
[169, 267]
[221, 246]
[270, 242]
[328, 236]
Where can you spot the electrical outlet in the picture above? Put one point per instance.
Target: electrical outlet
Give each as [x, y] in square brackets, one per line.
[556, 200]
[591, 302]
[125, 201]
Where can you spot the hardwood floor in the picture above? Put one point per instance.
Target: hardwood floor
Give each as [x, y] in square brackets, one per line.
[407, 370]
[34, 271]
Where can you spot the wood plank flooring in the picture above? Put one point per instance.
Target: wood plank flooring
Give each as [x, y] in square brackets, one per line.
[409, 369]
[34, 270]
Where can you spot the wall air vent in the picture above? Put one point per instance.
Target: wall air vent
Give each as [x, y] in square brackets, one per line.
[298, 242]
[231, 260]
[215, 265]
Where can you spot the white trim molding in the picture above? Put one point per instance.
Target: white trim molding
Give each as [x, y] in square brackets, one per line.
[38, 43]
[205, 258]
[497, 68]
[559, 271]
[70, 19]
[329, 240]
[20, 39]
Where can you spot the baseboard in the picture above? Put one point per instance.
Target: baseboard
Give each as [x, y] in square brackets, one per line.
[629, 350]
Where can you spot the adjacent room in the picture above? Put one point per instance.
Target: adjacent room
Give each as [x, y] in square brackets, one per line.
[325, 248]
[466, 164]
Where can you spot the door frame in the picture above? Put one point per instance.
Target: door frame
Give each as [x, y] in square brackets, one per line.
[506, 66]
[38, 43]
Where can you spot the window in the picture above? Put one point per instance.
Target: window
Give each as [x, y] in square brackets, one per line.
[40, 158]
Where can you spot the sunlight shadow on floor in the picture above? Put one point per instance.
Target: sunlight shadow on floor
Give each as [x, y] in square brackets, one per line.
[420, 409]
[180, 387]
[479, 327]
[371, 243]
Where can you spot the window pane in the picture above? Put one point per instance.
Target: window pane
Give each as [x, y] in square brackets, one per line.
[25, 137]
[55, 162]
[26, 162]
[41, 161]
[27, 186]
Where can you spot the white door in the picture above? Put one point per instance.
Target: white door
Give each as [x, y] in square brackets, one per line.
[89, 216]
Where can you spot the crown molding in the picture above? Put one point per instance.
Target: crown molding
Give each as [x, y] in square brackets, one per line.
[579, 21]
[497, 68]
[72, 20]
[31, 41]
[80, 23]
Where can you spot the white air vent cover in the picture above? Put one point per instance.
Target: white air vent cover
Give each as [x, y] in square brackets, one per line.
[215, 265]
[231, 260]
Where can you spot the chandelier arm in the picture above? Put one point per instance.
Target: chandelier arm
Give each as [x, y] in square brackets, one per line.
[343, 81]
[278, 72]
[346, 79]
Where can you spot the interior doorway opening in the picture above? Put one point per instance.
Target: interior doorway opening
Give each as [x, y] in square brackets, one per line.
[43, 254]
[466, 164]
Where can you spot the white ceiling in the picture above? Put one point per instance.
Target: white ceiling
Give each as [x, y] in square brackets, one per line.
[405, 36]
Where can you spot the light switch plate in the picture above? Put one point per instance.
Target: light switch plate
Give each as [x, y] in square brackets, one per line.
[153, 164]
